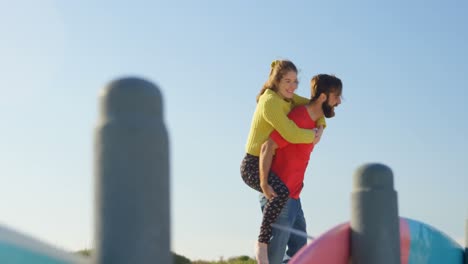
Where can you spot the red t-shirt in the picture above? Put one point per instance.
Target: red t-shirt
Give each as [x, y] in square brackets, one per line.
[290, 161]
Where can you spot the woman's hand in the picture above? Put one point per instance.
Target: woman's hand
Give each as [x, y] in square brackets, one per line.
[268, 191]
[318, 135]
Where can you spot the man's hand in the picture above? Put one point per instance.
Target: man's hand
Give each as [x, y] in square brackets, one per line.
[268, 191]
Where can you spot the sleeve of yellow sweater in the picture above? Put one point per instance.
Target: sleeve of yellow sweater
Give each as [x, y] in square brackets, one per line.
[299, 100]
[274, 115]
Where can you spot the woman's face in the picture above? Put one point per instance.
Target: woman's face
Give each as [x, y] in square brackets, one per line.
[287, 85]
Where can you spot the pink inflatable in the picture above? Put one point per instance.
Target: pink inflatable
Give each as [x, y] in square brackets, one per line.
[419, 244]
[331, 247]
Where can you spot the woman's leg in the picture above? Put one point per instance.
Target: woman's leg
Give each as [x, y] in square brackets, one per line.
[250, 172]
[250, 175]
[273, 207]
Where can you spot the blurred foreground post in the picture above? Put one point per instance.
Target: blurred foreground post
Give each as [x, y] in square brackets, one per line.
[375, 233]
[132, 221]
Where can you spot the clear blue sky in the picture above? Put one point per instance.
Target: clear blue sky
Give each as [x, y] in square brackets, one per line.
[404, 66]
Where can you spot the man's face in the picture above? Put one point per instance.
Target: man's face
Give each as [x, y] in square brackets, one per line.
[328, 107]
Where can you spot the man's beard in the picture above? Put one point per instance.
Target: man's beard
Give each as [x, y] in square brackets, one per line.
[328, 110]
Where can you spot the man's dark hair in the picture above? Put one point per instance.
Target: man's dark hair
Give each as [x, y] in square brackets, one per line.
[324, 83]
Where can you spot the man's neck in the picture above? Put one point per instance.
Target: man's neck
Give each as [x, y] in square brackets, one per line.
[315, 110]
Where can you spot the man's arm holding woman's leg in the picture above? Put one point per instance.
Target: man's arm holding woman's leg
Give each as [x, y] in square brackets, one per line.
[266, 158]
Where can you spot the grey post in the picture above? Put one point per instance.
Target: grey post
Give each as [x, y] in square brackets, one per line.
[132, 223]
[375, 233]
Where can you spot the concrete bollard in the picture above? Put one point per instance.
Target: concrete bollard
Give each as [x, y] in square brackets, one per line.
[375, 234]
[132, 223]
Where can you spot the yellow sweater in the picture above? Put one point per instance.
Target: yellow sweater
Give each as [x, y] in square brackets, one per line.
[272, 114]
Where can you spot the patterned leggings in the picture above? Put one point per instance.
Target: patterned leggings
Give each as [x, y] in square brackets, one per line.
[251, 176]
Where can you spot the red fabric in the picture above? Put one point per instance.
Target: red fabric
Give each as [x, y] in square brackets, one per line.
[291, 160]
[405, 241]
